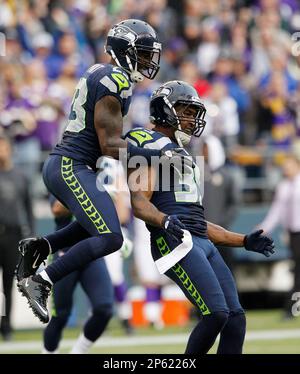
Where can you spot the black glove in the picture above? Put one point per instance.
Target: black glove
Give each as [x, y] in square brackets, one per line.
[259, 243]
[173, 226]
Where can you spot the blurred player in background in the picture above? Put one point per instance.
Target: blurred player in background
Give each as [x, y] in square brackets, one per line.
[148, 275]
[181, 238]
[95, 281]
[221, 197]
[284, 211]
[112, 176]
[16, 219]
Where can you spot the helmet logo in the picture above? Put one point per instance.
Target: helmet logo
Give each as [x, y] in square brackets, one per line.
[123, 33]
[157, 45]
[196, 99]
[165, 91]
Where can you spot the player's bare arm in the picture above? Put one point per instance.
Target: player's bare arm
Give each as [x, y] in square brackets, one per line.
[108, 124]
[140, 197]
[220, 236]
[255, 241]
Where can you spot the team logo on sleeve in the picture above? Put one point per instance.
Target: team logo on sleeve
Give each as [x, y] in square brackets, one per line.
[121, 81]
[117, 82]
[140, 136]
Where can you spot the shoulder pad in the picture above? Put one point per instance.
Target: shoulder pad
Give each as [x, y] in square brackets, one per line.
[139, 136]
[147, 138]
[117, 81]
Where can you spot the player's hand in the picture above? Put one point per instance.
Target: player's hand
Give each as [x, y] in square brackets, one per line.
[177, 156]
[126, 248]
[257, 242]
[174, 226]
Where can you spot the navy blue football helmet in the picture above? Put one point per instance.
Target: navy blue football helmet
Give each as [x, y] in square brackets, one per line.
[134, 46]
[164, 108]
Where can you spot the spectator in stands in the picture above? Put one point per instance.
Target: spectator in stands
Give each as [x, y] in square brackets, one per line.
[224, 72]
[209, 48]
[221, 195]
[222, 119]
[42, 45]
[285, 211]
[16, 220]
[174, 55]
[139, 109]
[67, 50]
[275, 100]
[18, 117]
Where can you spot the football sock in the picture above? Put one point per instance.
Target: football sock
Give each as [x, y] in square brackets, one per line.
[45, 276]
[82, 345]
[93, 329]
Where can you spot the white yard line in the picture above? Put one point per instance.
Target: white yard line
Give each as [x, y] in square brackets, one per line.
[15, 347]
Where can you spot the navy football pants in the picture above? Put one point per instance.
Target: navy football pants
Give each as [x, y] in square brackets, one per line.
[208, 283]
[96, 231]
[202, 275]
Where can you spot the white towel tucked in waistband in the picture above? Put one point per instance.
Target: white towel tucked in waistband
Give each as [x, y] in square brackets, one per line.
[166, 262]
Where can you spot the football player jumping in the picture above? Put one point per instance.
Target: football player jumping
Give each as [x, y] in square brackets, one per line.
[101, 99]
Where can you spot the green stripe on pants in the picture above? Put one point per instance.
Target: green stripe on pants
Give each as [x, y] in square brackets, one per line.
[81, 196]
[183, 277]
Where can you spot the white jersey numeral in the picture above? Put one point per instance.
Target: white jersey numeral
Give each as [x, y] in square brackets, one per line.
[188, 188]
[77, 115]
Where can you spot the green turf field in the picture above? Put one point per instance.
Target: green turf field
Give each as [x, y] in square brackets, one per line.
[266, 333]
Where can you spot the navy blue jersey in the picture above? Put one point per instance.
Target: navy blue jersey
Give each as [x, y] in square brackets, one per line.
[183, 196]
[80, 141]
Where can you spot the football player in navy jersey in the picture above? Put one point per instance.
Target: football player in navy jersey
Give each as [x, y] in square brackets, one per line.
[101, 99]
[95, 281]
[182, 241]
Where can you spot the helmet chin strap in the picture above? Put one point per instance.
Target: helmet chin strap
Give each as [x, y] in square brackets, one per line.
[135, 75]
[182, 138]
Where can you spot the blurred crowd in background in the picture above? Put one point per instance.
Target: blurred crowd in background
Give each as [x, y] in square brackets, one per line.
[240, 55]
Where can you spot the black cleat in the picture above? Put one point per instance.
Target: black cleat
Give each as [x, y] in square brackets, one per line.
[36, 290]
[33, 251]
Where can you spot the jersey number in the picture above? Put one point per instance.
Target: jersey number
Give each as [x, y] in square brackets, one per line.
[189, 186]
[77, 115]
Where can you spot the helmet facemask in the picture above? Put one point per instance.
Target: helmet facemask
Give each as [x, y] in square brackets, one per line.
[176, 117]
[138, 54]
[144, 59]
